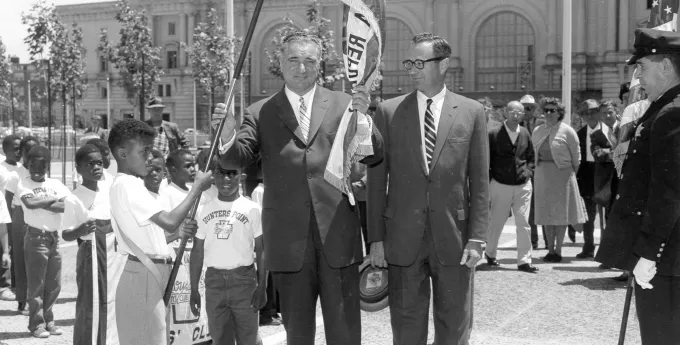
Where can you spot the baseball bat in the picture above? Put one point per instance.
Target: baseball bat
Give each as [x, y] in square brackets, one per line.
[215, 141]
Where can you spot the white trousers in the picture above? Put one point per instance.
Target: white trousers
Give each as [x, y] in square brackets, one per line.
[503, 199]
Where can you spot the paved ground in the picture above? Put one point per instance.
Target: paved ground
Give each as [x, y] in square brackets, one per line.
[573, 302]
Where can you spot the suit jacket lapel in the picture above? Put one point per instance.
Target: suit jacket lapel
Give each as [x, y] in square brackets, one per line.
[445, 123]
[287, 114]
[412, 122]
[319, 110]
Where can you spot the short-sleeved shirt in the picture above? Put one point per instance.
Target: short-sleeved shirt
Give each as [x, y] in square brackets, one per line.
[85, 204]
[132, 207]
[8, 170]
[11, 186]
[41, 218]
[229, 230]
[172, 195]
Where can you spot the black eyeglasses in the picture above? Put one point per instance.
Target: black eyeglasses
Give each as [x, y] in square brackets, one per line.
[420, 64]
[550, 110]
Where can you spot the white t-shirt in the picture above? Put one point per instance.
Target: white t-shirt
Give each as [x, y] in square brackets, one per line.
[85, 204]
[107, 179]
[229, 230]
[41, 218]
[172, 195]
[258, 194]
[132, 207]
[13, 181]
[8, 170]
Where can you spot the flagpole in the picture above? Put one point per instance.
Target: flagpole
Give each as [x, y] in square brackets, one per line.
[566, 60]
[195, 128]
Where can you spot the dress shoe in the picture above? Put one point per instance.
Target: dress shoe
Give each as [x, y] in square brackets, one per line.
[585, 255]
[41, 333]
[491, 261]
[622, 278]
[527, 268]
[551, 257]
[23, 308]
[572, 234]
[270, 321]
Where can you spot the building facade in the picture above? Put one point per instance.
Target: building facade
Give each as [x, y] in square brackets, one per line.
[501, 48]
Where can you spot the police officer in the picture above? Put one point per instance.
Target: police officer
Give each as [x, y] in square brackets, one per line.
[643, 230]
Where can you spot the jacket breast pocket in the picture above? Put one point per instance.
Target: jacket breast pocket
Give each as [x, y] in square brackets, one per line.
[458, 140]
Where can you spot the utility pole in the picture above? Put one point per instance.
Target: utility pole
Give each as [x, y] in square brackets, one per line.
[30, 113]
[229, 26]
[566, 60]
[11, 97]
[141, 94]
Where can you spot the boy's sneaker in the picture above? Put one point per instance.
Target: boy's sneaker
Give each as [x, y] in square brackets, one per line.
[41, 333]
[54, 330]
[23, 308]
[6, 294]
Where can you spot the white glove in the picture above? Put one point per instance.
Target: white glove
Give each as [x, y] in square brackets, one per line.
[644, 272]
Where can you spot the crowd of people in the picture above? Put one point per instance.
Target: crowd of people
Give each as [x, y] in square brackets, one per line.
[437, 182]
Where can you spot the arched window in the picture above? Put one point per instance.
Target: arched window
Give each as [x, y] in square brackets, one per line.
[269, 84]
[504, 53]
[399, 37]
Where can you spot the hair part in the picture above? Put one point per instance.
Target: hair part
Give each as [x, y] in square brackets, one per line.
[9, 140]
[440, 47]
[39, 152]
[129, 129]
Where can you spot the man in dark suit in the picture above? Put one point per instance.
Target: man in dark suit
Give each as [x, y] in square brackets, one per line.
[431, 226]
[644, 221]
[590, 112]
[169, 137]
[312, 237]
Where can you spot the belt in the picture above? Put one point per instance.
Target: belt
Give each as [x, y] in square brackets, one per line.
[239, 269]
[154, 259]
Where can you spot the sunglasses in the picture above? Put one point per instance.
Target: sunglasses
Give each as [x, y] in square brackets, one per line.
[550, 110]
[528, 108]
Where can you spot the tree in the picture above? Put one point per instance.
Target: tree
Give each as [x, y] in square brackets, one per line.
[134, 56]
[66, 56]
[5, 75]
[209, 54]
[320, 27]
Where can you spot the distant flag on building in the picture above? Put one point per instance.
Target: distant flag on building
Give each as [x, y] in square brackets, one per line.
[663, 16]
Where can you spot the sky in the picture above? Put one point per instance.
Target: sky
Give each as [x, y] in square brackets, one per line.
[13, 32]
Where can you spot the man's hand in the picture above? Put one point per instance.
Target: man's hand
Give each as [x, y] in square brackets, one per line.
[5, 261]
[195, 302]
[644, 272]
[203, 180]
[377, 256]
[259, 297]
[86, 228]
[361, 100]
[471, 254]
[188, 228]
[232, 124]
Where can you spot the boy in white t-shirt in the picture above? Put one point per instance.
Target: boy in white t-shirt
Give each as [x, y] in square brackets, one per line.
[229, 231]
[106, 160]
[87, 217]
[10, 145]
[14, 203]
[42, 203]
[140, 223]
[181, 166]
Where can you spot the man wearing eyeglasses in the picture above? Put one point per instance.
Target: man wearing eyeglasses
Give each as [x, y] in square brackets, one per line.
[431, 226]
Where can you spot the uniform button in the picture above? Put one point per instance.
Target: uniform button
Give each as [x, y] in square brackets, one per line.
[634, 151]
[658, 255]
[618, 196]
[660, 249]
[663, 245]
[621, 177]
[309, 176]
[639, 213]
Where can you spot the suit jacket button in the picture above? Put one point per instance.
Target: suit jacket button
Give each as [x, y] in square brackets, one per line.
[309, 176]
[309, 150]
[618, 196]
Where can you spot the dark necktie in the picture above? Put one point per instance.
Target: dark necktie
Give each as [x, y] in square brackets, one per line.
[430, 133]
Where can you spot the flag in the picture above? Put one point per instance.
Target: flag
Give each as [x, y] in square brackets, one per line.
[362, 53]
[663, 16]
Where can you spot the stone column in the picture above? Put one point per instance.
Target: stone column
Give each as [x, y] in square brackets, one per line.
[623, 25]
[610, 82]
[579, 23]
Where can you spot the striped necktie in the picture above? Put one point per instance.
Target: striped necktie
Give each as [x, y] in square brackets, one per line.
[304, 118]
[430, 133]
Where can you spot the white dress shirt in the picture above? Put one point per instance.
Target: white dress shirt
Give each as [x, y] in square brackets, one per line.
[589, 132]
[435, 108]
[512, 134]
[294, 100]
